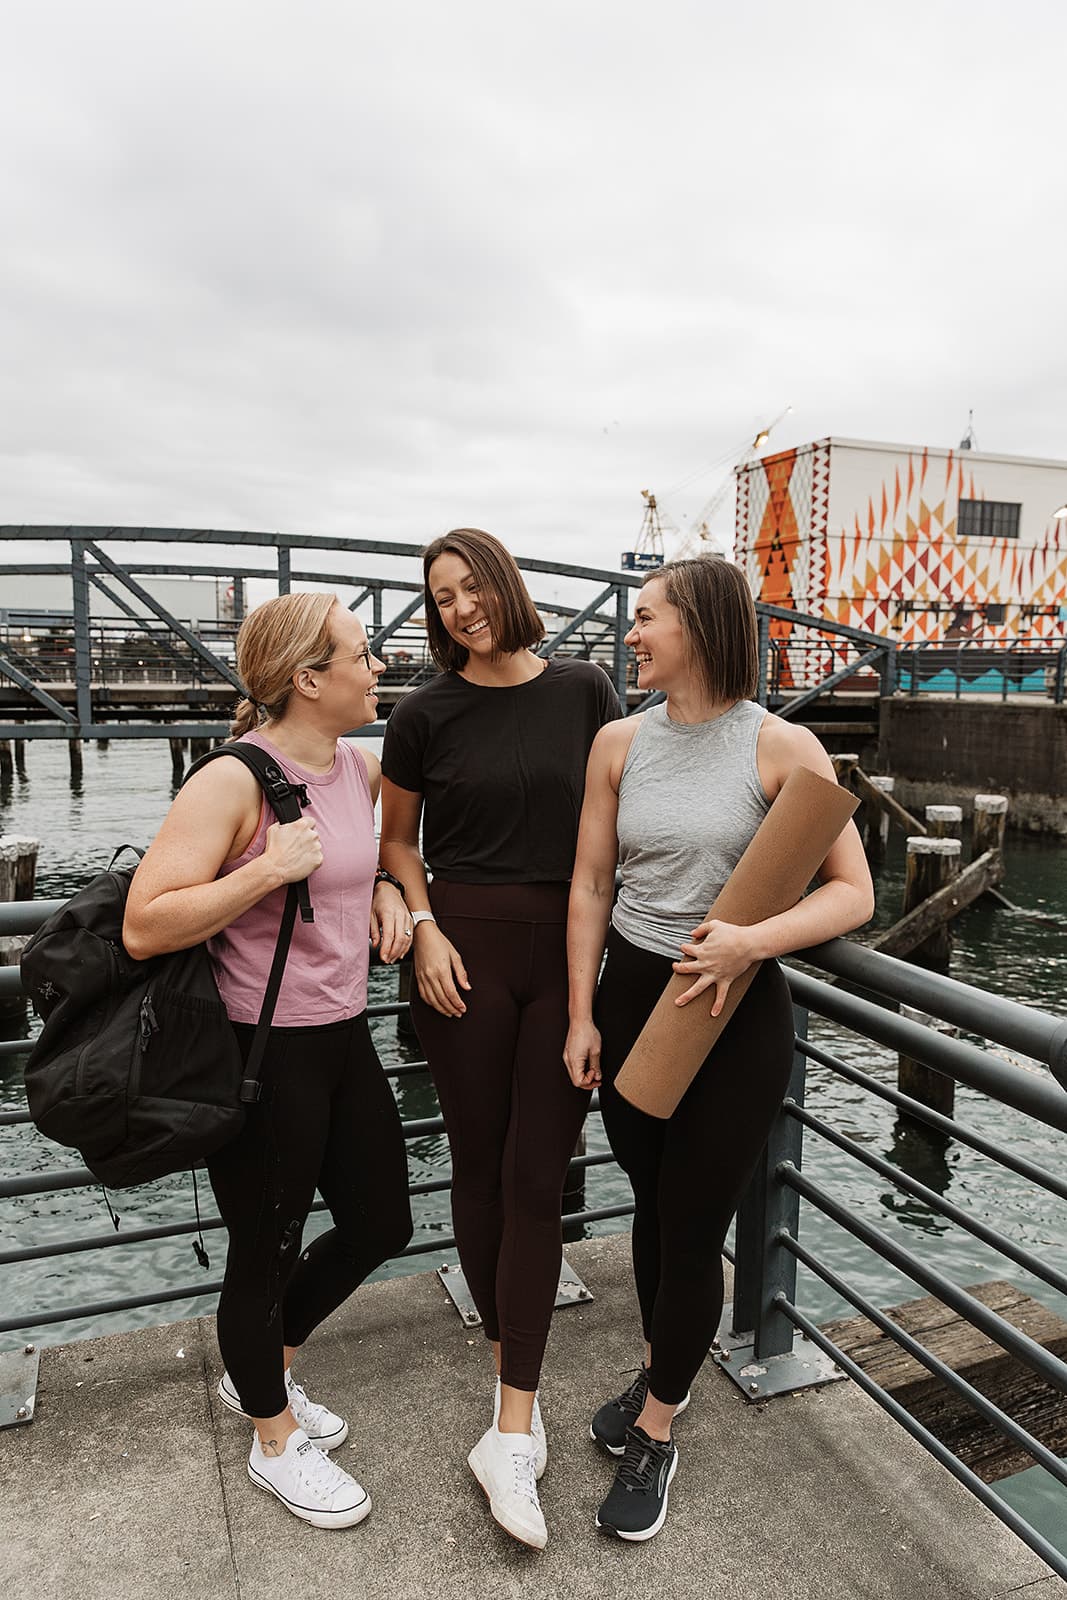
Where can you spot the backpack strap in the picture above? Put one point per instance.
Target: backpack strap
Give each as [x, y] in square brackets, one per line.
[286, 800]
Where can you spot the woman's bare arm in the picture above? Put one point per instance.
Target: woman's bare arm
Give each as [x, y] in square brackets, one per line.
[175, 899]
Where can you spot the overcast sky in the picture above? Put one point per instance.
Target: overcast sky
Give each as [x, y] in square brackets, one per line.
[380, 270]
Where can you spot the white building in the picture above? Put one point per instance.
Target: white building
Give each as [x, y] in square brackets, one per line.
[927, 546]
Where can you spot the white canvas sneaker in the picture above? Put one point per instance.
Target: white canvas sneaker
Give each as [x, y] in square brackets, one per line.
[322, 1426]
[537, 1432]
[503, 1464]
[313, 1487]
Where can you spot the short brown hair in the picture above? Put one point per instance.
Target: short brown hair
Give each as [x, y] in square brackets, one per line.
[718, 616]
[511, 613]
[274, 642]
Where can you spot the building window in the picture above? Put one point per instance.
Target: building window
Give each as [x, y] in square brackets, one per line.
[988, 519]
[994, 612]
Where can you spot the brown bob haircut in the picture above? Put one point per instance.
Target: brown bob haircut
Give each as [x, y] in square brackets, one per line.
[511, 613]
[719, 620]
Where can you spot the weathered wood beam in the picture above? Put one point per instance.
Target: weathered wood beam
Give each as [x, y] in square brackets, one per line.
[870, 791]
[1041, 1409]
[939, 908]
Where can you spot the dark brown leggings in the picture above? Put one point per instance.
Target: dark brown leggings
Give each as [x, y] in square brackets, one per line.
[689, 1171]
[511, 1112]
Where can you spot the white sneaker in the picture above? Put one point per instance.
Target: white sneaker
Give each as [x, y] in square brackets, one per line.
[323, 1427]
[314, 1488]
[537, 1432]
[503, 1464]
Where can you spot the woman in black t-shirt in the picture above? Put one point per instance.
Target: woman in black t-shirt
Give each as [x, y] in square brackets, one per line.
[490, 755]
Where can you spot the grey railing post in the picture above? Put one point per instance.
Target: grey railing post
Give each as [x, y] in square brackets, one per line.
[762, 1267]
[888, 672]
[285, 569]
[1061, 676]
[82, 648]
[763, 626]
[621, 630]
[376, 610]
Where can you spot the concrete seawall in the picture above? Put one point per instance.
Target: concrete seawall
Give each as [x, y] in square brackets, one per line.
[948, 749]
[131, 1480]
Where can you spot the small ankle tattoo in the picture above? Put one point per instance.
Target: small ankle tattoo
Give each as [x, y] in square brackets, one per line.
[271, 1447]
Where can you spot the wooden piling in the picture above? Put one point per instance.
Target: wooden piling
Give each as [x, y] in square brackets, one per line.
[7, 764]
[20, 757]
[944, 822]
[990, 820]
[198, 748]
[18, 871]
[177, 759]
[934, 1089]
[931, 864]
[876, 822]
[74, 750]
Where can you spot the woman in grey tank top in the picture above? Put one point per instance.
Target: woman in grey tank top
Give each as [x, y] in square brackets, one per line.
[674, 796]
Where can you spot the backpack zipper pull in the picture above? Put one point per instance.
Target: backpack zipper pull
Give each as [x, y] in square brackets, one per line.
[149, 1025]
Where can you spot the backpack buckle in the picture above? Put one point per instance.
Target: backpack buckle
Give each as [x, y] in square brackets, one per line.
[250, 1092]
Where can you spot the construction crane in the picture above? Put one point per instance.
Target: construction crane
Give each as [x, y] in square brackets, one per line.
[648, 551]
[699, 540]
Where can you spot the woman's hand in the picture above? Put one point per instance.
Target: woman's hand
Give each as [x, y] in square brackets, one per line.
[390, 922]
[719, 953]
[293, 849]
[439, 971]
[581, 1054]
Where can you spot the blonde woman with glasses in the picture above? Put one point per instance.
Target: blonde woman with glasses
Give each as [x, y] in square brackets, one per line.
[327, 1119]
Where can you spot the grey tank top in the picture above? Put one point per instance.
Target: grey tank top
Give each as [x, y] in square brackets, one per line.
[690, 799]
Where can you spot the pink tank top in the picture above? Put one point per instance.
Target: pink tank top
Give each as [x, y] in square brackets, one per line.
[326, 974]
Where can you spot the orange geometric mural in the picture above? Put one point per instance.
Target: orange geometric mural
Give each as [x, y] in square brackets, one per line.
[899, 569]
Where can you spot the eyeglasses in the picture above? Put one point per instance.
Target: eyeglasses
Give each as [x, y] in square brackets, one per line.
[363, 655]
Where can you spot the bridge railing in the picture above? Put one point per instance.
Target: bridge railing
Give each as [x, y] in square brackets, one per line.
[763, 1332]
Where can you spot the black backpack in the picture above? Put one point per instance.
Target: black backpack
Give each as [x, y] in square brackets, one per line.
[137, 1065]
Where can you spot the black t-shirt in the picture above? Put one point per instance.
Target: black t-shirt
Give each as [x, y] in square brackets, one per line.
[501, 771]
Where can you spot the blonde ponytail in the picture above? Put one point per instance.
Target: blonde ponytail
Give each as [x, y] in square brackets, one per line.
[275, 641]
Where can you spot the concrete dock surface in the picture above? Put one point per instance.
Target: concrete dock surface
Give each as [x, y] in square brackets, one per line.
[131, 1481]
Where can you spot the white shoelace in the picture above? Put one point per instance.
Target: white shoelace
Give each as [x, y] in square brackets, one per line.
[319, 1475]
[304, 1410]
[522, 1462]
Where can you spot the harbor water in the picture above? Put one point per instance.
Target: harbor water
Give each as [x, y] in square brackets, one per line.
[124, 793]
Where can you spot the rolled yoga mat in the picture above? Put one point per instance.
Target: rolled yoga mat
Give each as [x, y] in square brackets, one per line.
[783, 855]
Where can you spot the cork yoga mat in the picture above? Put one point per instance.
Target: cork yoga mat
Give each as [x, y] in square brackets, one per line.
[784, 854]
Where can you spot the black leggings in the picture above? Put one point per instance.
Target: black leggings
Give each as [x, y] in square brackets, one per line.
[511, 1112]
[327, 1120]
[689, 1171]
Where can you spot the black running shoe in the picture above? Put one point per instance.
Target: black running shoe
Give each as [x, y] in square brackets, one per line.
[610, 1423]
[636, 1508]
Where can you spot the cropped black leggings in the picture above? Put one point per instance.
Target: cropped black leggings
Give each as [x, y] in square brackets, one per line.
[689, 1171]
[327, 1120]
[511, 1112]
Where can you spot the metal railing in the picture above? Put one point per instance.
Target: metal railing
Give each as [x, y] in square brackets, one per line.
[768, 1247]
[1029, 665]
[766, 1315]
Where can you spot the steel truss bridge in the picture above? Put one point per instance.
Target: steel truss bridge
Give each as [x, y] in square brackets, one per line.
[127, 667]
